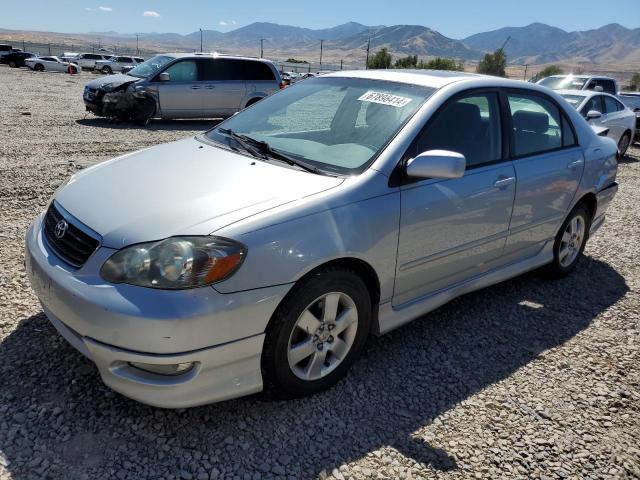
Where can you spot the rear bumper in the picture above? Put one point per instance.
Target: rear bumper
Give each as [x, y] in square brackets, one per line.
[603, 199]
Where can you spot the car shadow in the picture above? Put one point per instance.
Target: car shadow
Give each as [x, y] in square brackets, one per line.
[56, 406]
[153, 125]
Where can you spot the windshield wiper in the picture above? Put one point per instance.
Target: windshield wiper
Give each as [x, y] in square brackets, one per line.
[267, 150]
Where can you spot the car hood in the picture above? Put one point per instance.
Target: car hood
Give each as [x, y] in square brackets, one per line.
[113, 80]
[181, 188]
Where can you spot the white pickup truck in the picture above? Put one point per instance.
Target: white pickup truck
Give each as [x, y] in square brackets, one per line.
[581, 82]
[116, 64]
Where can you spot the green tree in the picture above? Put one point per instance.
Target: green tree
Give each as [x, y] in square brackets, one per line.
[381, 59]
[294, 60]
[493, 64]
[407, 62]
[635, 81]
[548, 71]
[441, 63]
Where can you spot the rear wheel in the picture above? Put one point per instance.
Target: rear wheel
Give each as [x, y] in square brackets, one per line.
[38, 67]
[73, 69]
[570, 242]
[623, 144]
[12, 64]
[107, 70]
[316, 334]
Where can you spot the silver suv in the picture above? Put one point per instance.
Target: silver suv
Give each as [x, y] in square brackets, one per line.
[183, 85]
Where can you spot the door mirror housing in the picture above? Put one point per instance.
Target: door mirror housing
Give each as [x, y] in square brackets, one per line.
[437, 164]
[592, 114]
[164, 77]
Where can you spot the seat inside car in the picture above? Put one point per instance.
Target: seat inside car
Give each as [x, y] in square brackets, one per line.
[531, 132]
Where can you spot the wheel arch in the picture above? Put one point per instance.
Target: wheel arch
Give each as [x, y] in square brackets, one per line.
[590, 200]
[360, 267]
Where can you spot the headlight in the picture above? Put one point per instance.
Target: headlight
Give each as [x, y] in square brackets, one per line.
[175, 263]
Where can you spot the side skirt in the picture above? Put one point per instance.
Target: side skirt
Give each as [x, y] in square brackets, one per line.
[390, 317]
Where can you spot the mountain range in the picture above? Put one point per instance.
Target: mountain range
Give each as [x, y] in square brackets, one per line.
[533, 44]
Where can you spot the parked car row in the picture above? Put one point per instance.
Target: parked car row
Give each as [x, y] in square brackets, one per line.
[598, 100]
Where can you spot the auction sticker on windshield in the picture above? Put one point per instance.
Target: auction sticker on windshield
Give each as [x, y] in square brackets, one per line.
[384, 99]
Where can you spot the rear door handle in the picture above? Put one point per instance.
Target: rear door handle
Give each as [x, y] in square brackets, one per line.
[575, 164]
[210, 87]
[504, 182]
[195, 87]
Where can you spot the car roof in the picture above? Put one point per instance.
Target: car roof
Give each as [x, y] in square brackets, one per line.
[214, 55]
[426, 78]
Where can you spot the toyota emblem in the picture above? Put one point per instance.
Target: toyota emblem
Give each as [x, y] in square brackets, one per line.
[61, 228]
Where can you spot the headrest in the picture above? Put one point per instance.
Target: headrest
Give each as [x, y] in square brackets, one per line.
[464, 117]
[537, 122]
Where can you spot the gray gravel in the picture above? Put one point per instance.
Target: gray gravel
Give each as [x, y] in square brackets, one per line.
[527, 379]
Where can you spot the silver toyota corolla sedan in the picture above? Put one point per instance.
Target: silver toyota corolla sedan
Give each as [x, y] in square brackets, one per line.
[262, 254]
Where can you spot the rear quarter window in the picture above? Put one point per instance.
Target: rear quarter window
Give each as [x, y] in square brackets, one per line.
[256, 71]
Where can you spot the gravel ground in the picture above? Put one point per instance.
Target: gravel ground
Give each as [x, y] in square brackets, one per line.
[527, 379]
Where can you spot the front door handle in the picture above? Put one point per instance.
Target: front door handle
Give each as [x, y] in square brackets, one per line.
[504, 182]
[575, 164]
[210, 87]
[195, 87]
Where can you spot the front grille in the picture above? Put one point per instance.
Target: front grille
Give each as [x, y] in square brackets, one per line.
[74, 246]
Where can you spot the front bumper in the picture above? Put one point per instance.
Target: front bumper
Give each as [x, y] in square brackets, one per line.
[116, 325]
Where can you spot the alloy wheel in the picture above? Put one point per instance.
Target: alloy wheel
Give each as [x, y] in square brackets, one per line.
[572, 240]
[322, 336]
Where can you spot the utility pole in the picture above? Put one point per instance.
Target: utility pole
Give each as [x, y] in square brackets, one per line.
[200, 40]
[525, 72]
[341, 64]
[262, 47]
[321, 42]
[137, 49]
[366, 65]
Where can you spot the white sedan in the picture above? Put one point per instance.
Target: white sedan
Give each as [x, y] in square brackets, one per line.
[53, 64]
[603, 110]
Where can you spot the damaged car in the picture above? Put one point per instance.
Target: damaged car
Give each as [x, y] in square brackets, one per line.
[182, 85]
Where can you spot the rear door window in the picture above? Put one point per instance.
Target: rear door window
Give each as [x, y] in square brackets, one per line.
[216, 70]
[610, 104]
[537, 125]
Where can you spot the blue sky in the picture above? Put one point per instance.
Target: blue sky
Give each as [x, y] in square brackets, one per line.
[454, 18]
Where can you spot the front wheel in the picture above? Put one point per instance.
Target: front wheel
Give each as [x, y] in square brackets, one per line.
[39, 67]
[570, 242]
[316, 334]
[12, 64]
[106, 70]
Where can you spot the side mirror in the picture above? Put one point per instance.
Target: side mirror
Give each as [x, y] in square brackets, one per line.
[164, 77]
[592, 114]
[437, 164]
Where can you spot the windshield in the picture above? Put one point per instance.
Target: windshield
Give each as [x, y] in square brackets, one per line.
[335, 124]
[568, 82]
[574, 100]
[151, 66]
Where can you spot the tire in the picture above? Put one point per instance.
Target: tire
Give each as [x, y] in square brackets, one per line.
[623, 144]
[107, 70]
[74, 70]
[38, 67]
[326, 356]
[12, 64]
[574, 231]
